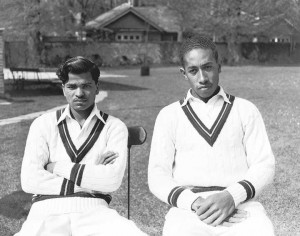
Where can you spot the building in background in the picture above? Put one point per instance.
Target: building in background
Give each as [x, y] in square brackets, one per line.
[131, 22]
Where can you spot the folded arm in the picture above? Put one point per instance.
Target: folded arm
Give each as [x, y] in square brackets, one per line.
[95, 176]
[34, 178]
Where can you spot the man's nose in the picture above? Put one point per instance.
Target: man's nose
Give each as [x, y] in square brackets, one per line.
[79, 92]
[202, 78]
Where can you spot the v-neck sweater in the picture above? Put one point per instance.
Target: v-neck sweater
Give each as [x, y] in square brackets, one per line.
[240, 160]
[44, 144]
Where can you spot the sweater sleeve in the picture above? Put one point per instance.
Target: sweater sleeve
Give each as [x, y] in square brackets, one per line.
[260, 160]
[103, 178]
[161, 160]
[34, 178]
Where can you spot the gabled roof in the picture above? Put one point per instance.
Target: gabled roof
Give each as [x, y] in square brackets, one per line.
[160, 18]
[283, 27]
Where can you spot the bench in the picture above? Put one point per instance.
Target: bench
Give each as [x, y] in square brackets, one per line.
[19, 75]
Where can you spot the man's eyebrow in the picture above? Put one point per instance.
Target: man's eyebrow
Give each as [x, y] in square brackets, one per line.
[207, 63]
[192, 67]
[84, 83]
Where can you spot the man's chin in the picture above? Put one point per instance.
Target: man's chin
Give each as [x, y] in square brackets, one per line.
[80, 107]
[204, 95]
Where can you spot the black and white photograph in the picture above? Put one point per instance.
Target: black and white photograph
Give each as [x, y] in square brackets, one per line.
[149, 117]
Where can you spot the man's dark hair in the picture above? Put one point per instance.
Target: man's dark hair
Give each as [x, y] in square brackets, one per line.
[194, 40]
[77, 65]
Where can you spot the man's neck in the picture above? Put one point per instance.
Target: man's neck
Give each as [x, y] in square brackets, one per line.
[81, 116]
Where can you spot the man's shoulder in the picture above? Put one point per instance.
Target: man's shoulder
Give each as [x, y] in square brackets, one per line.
[245, 104]
[44, 123]
[170, 113]
[246, 109]
[171, 108]
[47, 117]
[114, 121]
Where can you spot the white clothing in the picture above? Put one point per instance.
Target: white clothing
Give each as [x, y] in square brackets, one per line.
[229, 149]
[44, 145]
[96, 219]
[77, 188]
[182, 222]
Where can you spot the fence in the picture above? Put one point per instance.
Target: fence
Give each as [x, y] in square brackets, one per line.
[115, 54]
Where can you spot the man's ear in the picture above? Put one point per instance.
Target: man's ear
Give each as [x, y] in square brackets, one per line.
[63, 89]
[98, 87]
[182, 71]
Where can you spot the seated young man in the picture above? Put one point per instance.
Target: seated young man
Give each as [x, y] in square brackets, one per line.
[74, 158]
[210, 155]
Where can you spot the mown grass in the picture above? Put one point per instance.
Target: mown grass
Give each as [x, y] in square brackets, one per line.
[137, 100]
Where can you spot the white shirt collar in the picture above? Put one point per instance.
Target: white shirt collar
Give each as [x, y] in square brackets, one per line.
[189, 96]
[95, 112]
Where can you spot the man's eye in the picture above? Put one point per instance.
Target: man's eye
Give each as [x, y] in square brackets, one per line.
[193, 71]
[208, 67]
[71, 87]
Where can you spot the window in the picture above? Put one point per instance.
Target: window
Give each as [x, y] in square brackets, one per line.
[281, 39]
[128, 37]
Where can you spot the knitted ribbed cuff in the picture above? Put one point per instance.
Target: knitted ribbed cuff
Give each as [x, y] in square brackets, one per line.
[186, 199]
[238, 193]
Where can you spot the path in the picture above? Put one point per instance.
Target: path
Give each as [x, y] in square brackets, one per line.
[101, 96]
[47, 75]
[50, 75]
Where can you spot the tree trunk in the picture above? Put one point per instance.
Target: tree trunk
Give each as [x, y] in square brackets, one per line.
[34, 49]
[235, 52]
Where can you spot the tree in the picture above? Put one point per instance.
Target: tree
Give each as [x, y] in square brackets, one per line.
[69, 16]
[36, 18]
[232, 21]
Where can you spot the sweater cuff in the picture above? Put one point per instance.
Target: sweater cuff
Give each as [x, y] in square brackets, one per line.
[63, 169]
[238, 193]
[186, 199]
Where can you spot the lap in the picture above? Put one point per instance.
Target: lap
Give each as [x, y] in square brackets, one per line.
[98, 221]
[182, 222]
[104, 221]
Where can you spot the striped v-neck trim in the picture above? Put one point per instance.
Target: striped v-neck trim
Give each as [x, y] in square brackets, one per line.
[75, 155]
[210, 135]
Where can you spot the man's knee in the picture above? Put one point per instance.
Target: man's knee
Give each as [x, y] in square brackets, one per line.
[258, 223]
[181, 222]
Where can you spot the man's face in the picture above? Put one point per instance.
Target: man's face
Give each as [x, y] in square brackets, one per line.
[80, 91]
[202, 72]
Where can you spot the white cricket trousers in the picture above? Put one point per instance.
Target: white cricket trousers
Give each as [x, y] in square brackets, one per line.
[76, 217]
[181, 222]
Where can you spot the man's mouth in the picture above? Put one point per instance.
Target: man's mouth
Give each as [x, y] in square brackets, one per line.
[203, 87]
[80, 100]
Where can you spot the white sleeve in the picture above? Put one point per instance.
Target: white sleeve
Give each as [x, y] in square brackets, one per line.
[103, 178]
[260, 160]
[34, 178]
[161, 160]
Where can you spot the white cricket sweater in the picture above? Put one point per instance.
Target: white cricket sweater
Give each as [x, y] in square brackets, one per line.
[44, 144]
[181, 158]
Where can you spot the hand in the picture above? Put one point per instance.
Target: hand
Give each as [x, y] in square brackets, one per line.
[197, 203]
[216, 208]
[107, 158]
[236, 217]
[50, 166]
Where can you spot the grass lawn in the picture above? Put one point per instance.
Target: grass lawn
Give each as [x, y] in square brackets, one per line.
[137, 100]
